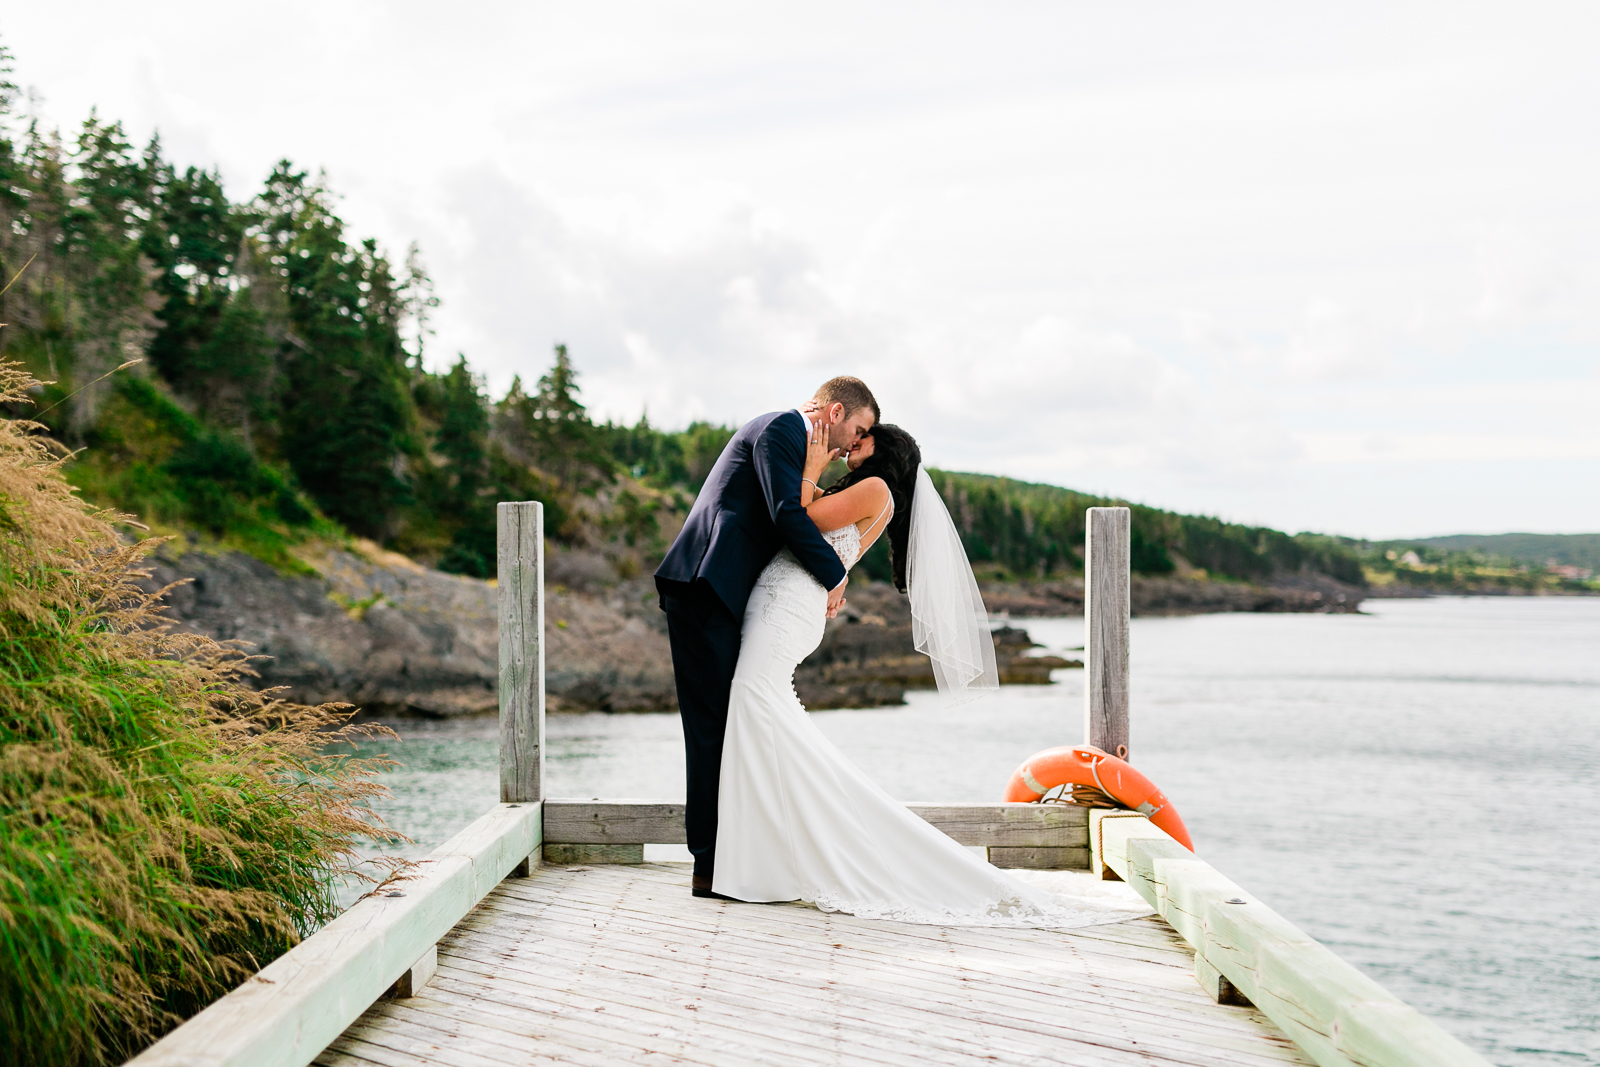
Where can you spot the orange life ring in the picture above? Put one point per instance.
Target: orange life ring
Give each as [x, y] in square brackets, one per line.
[1085, 765]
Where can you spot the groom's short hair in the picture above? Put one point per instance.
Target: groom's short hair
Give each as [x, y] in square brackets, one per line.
[851, 392]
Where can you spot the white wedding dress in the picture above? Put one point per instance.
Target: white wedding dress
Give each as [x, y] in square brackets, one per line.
[796, 820]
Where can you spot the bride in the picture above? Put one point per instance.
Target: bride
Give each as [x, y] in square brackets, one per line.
[796, 820]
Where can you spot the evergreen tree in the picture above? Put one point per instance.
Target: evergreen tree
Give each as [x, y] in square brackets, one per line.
[83, 306]
[463, 434]
[12, 194]
[557, 403]
[219, 337]
[347, 422]
[564, 441]
[420, 299]
[545, 448]
[462, 439]
[13, 190]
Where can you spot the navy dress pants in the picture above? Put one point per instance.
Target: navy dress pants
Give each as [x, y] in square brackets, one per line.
[705, 650]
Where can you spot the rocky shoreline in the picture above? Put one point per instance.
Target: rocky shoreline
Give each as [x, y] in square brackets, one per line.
[376, 629]
[1310, 593]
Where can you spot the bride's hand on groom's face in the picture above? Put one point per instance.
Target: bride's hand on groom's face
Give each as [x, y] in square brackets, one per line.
[818, 452]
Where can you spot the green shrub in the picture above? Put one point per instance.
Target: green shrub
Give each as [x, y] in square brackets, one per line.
[153, 459]
[164, 829]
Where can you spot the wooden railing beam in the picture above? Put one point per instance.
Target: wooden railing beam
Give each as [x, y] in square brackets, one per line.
[1018, 835]
[300, 1002]
[387, 944]
[1245, 950]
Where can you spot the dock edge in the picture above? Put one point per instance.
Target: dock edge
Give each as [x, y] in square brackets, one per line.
[1339, 1016]
[285, 1015]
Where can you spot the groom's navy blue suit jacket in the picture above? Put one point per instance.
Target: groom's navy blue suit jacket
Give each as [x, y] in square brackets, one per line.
[747, 510]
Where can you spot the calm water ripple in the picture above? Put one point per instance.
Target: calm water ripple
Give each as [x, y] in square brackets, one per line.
[1415, 787]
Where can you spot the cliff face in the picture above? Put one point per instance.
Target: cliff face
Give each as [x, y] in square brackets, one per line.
[371, 632]
[377, 630]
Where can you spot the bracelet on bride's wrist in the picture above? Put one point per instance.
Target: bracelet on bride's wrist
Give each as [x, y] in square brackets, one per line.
[812, 484]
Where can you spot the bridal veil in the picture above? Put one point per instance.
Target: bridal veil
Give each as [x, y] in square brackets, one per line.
[949, 623]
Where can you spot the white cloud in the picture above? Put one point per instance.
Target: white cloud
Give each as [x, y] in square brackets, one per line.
[713, 325]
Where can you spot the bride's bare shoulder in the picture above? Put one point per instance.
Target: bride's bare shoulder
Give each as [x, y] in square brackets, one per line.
[868, 490]
[871, 499]
[873, 484]
[852, 504]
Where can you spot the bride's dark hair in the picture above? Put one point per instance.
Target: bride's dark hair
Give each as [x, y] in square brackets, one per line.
[895, 458]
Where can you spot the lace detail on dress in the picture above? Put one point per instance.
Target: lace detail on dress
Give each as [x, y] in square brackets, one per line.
[784, 568]
[846, 541]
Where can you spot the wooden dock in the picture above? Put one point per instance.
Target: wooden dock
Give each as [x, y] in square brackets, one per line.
[614, 964]
[538, 934]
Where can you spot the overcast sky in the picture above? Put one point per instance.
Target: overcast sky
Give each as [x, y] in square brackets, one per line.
[1327, 267]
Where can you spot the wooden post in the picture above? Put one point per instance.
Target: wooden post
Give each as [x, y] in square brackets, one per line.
[520, 552]
[1106, 601]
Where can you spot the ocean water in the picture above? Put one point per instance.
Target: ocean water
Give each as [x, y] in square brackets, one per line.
[1416, 786]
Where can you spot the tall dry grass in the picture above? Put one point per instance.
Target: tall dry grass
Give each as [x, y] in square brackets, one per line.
[164, 829]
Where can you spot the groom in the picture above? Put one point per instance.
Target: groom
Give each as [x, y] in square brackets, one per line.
[748, 509]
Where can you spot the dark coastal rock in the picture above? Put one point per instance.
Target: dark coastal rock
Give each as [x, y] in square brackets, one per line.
[867, 657]
[375, 629]
[1013, 654]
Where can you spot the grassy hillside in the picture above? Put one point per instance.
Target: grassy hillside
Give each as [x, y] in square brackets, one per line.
[1574, 550]
[1016, 529]
[1421, 565]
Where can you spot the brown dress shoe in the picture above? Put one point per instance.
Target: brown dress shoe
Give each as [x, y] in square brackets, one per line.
[700, 886]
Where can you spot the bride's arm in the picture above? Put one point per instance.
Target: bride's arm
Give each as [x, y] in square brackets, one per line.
[864, 500]
[818, 455]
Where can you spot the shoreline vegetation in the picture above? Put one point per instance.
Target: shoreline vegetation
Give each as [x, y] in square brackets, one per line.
[165, 827]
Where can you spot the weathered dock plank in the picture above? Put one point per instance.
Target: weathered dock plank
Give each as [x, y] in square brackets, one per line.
[903, 949]
[881, 1010]
[618, 964]
[894, 1018]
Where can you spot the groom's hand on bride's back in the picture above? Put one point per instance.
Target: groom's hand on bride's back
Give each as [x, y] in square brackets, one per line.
[836, 598]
